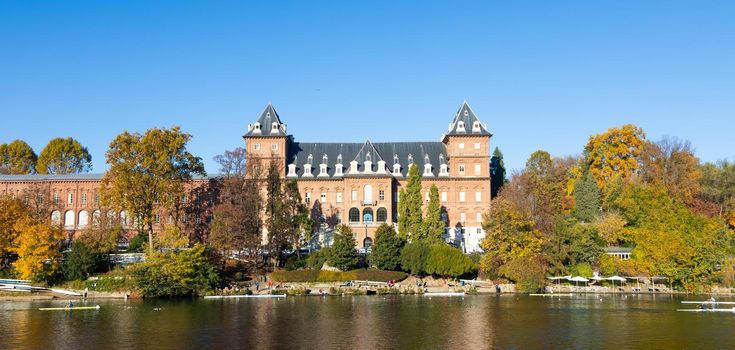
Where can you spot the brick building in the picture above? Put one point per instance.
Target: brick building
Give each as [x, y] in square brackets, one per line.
[354, 183]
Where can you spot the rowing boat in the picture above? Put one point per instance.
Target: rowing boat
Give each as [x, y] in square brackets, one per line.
[245, 296]
[439, 294]
[707, 310]
[709, 302]
[96, 307]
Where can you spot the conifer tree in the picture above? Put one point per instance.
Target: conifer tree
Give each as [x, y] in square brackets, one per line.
[434, 225]
[409, 207]
[497, 172]
[587, 198]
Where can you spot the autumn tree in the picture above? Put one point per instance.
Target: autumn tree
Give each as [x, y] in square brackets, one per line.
[510, 233]
[11, 211]
[718, 186]
[497, 173]
[586, 199]
[434, 225]
[37, 249]
[616, 152]
[16, 158]
[670, 163]
[410, 221]
[147, 173]
[64, 156]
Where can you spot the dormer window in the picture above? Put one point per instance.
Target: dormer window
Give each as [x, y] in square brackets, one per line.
[427, 170]
[338, 170]
[443, 171]
[323, 170]
[307, 166]
[476, 126]
[466, 112]
[397, 169]
[292, 170]
[353, 167]
[460, 126]
[274, 126]
[256, 127]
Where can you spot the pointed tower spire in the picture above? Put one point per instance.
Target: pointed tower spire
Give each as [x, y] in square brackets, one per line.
[269, 124]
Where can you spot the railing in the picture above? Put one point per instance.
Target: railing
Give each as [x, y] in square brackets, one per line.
[367, 203]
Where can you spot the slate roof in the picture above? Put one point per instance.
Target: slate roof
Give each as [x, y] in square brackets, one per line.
[67, 177]
[299, 152]
[266, 120]
[468, 118]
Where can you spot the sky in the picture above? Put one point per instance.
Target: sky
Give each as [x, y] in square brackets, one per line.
[541, 75]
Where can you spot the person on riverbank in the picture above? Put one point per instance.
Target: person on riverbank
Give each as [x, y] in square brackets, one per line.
[257, 286]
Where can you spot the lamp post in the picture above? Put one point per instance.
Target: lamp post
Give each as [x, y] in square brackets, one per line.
[366, 236]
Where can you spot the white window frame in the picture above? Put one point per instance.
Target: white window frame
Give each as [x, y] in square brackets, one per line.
[354, 195]
[256, 146]
[70, 198]
[274, 147]
[477, 145]
[461, 146]
[444, 196]
[339, 197]
[84, 199]
[478, 217]
[462, 196]
[478, 169]
[323, 197]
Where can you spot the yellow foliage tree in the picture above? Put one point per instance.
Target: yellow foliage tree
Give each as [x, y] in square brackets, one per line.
[37, 249]
[615, 152]
[11, 210]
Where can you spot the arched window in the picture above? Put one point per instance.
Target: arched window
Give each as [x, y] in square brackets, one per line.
[367, 215]
[83, 218]
[367, 243]
[69, 219]
[124, 218]
[381, 215]
[56, 217]
[354, 215]
[367, 194]
[96, 218]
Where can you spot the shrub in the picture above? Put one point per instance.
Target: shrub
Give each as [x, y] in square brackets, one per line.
[174, 274]
[413, 257]
[582, 269]
[342, 254]
[80, 262]
[386, 252]
[379, 275]
[447, 261]
[317, 258]
[295, 262]
[136, 244]
[528, 273]
[336, 276]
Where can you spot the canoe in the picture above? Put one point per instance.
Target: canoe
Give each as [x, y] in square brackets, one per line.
[246, 296]
[96, 307]
[707, 310]
[552, 295]
[709, 302]
[437, 294]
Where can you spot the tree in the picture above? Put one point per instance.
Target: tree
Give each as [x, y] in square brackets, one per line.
[615, 152]
[298, 224]
[497, 173]
[236, 224]
[386, 252]
[610, 227]
[64, 156]
[276, 219]
[233, 163]
[16, 158]
[586, 199]
[413, 257]
[102, 236]
[37, 249]
[80, 262]
[175, 274]
[410, 221]
[342, 254]
[670, 163]
[571, 244]
[316, 216]
[510, 234]
[718, 186]
[11, 211]
[434, 225]
[147, 173]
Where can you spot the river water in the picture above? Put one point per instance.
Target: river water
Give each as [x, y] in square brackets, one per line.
[370, 322]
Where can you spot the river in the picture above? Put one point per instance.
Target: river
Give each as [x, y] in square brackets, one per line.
[370, 322]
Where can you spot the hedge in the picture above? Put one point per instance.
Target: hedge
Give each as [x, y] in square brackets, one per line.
[336, 276]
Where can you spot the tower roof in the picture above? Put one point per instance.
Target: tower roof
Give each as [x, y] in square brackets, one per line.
[465, 122]
[269, 124]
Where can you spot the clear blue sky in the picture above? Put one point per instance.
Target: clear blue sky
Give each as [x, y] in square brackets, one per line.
[542, 75]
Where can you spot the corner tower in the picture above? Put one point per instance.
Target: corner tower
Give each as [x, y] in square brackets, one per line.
[468, 145]
[267, 140]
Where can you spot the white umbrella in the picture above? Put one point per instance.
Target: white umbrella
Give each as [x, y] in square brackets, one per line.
[616, 278]
[579, 279]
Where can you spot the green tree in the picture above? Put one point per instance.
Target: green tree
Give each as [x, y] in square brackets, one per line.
[147, 173]
[80, 262]
[434, 225]
[16, 158]
[587, 199]
[572, 243]
[342, 253]
[444, 260]
[410, 221]
[386, 252]
[64, 156]
[276, 218]
[497, 173]
[176, 274]
[413, 257]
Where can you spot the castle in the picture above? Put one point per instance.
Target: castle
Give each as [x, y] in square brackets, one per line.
[355, 183]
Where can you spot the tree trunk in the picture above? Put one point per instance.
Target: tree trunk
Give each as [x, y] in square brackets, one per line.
[150, 237]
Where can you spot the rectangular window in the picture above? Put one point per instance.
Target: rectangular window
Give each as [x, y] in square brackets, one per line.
[477, 145]
[354, 195]
[462, 217]
[170, 219]
[461, 197]
[256, 147]
[70, 198]
[323, 197]
[156, 218]
[478, 169]
[198, 220]
[478, 217]
[84, 199]
[56, 199]
[381, 195]
[274, 147]
[479, 231]
[461, 169]
[427, 196]
[96, 198]
[478, 196]
[307, 197]
[461, 146]
[444, 196]
[339, 197]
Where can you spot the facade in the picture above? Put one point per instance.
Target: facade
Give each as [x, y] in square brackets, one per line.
[354, 183]
[358, 183]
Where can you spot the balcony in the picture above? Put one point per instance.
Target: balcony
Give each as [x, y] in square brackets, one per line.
[368, 203]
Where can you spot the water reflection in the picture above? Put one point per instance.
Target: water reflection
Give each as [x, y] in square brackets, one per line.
[375, 322]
